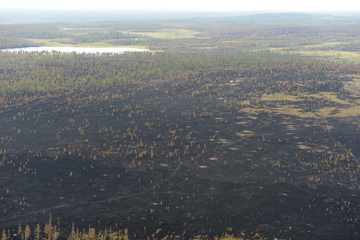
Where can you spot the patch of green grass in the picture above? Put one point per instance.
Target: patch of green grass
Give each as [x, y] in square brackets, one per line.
[56, 42]
[255, 110]
[321, 45]
[279, 97]
[294, 111]
[348, 112]
[344, 109]
[325, 112]
[315, 50]
[334, 55]
[244, 103]
[329, 96]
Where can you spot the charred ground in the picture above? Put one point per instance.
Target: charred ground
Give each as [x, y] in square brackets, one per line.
[267, 151]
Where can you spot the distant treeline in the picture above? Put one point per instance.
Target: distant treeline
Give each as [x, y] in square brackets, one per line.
[209, 34]
[7, 42]
[25, 73]
[32, 31]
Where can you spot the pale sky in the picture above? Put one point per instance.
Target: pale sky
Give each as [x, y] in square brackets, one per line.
[194, 5]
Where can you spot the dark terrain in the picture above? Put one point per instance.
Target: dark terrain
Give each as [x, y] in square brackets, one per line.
[183, 158]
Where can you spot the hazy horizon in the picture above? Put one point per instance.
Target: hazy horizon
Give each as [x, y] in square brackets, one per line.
[188, 5]
[34, 16]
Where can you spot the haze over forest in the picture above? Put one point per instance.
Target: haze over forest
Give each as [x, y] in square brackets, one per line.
[19, 16]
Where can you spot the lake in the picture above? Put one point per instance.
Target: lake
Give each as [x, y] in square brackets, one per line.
[74, 49]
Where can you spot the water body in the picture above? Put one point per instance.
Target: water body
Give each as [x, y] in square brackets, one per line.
[74, 49]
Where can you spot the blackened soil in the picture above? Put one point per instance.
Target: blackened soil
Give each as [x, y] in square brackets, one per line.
[177, 156]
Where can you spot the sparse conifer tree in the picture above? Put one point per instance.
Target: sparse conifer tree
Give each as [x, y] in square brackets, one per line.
[27, 232]
[3, 236]
[19, 230]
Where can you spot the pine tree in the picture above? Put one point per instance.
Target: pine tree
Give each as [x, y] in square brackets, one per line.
[19, 230]
[27, 232]
[38, 231]
[4, 237]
